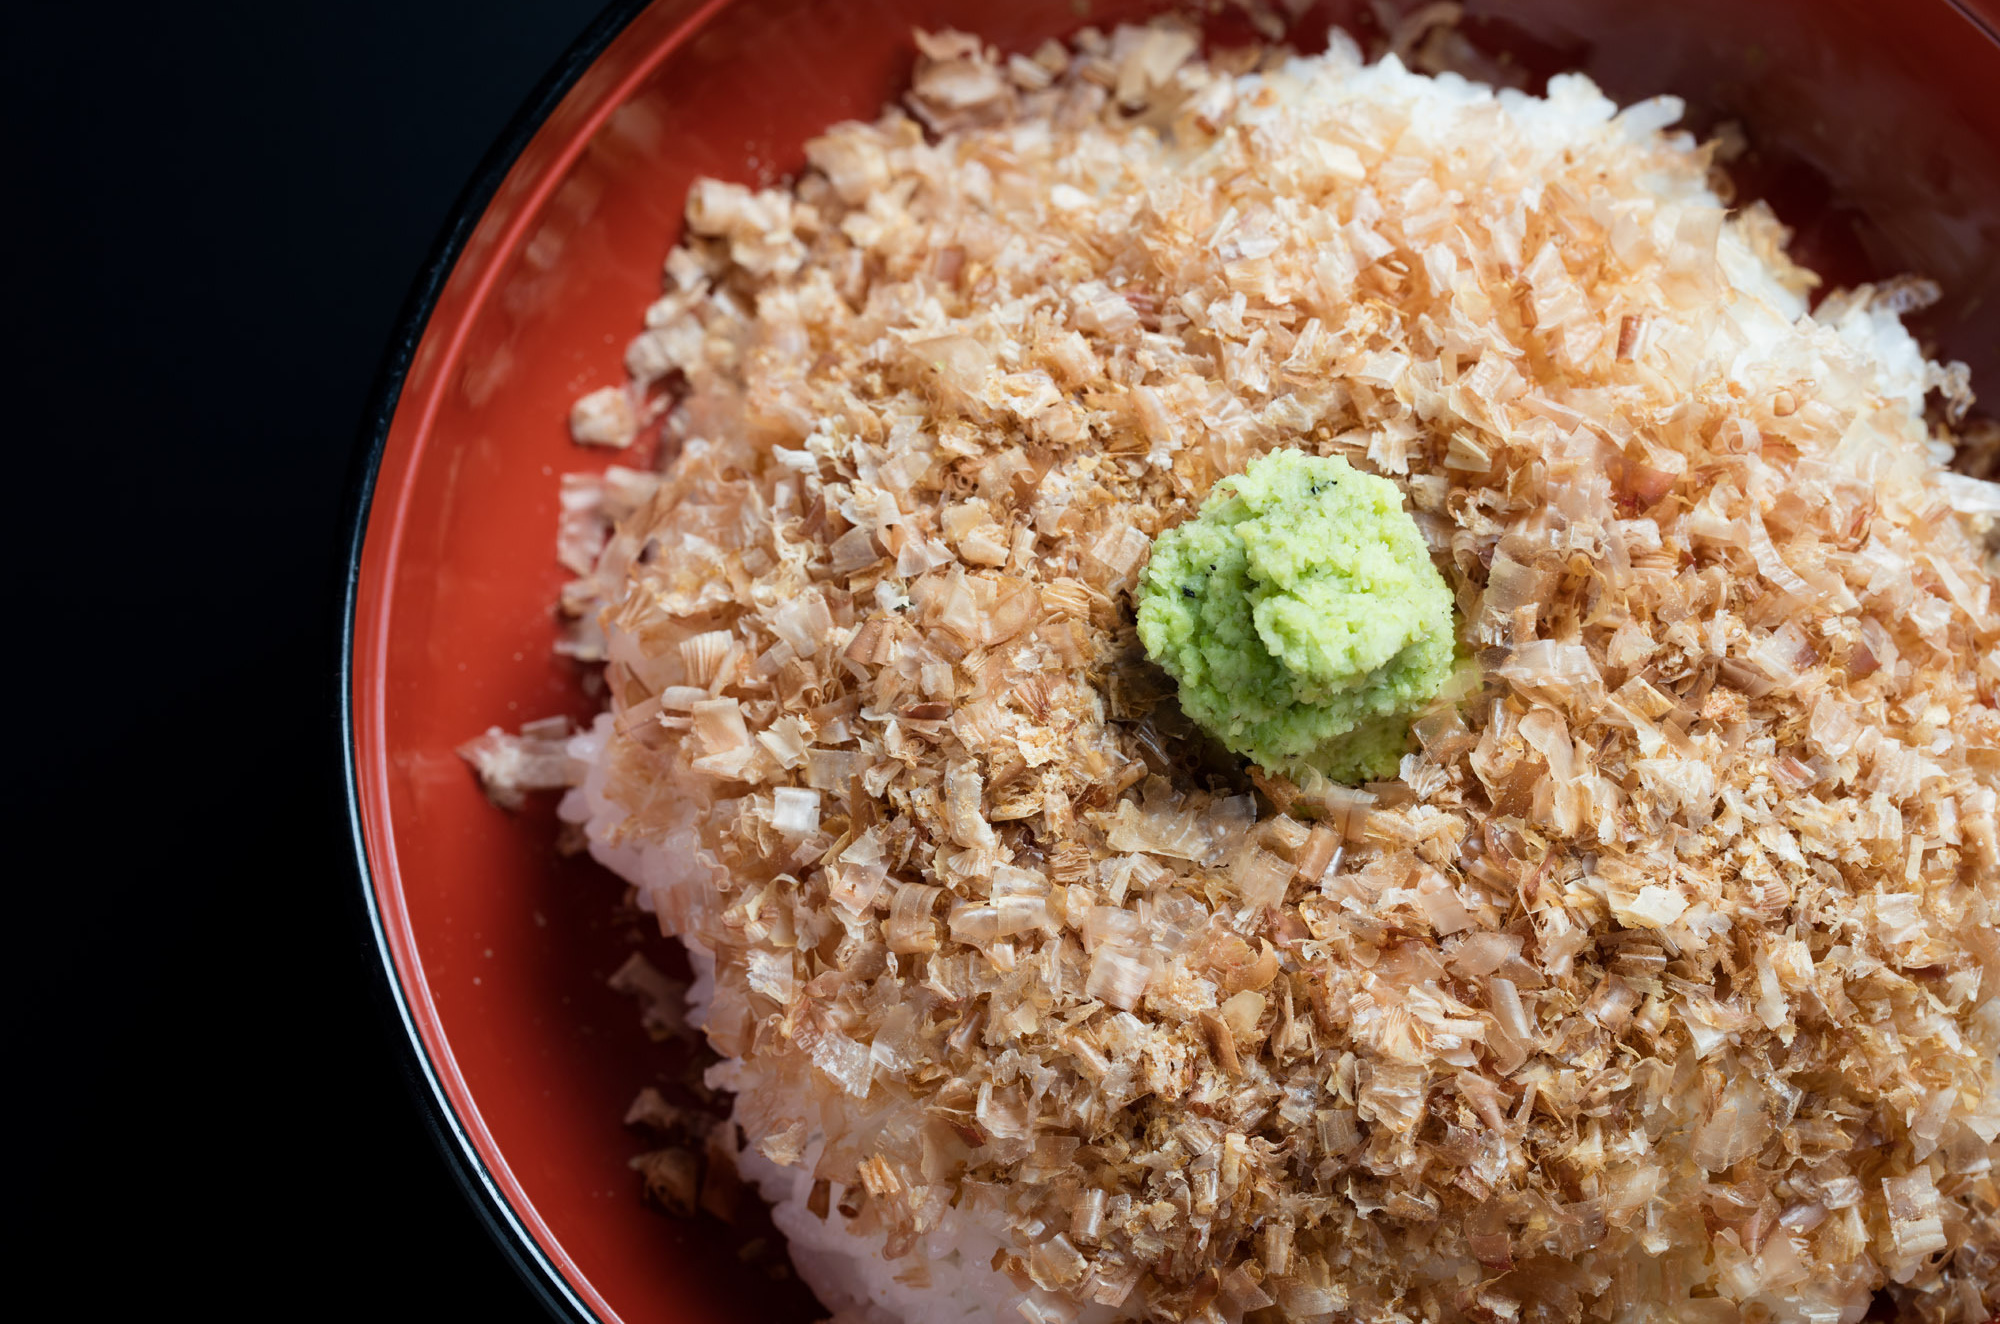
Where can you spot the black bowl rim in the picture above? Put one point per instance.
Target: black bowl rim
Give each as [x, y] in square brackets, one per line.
[447, 1129]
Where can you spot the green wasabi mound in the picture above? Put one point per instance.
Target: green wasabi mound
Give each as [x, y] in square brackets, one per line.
[1302, 616]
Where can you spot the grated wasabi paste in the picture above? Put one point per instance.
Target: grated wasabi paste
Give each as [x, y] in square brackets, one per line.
[1302, 617]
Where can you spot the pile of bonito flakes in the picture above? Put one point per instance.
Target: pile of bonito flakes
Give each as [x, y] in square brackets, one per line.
[1663, 978]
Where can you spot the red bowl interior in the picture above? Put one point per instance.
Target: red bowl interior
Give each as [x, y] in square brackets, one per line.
[1875, 132]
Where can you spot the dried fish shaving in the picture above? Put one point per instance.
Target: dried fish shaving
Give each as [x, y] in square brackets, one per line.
[1661, 982]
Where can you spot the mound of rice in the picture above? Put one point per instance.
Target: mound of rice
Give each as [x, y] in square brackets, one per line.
[1663, 983]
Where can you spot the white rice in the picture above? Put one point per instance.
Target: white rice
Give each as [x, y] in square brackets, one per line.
[949, 1278]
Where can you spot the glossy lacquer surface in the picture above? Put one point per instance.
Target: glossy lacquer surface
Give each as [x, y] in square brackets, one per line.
[1876, 132]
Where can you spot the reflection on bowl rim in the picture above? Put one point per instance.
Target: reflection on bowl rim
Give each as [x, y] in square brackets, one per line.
[485, 1191]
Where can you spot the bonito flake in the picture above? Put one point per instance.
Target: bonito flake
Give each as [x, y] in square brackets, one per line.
[1662, 982]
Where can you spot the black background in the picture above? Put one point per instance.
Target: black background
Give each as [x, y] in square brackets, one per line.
[217, 212]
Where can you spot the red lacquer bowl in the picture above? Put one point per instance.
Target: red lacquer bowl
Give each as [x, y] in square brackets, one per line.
[1876, 131]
